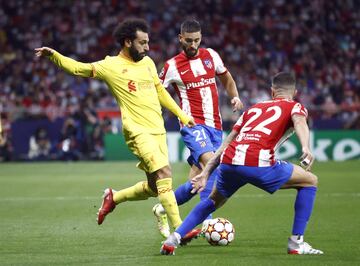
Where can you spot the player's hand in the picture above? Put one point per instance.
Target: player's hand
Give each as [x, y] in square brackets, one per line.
[236, 104]
[191, 122]
[43, 51]
[306, 159]
[198, 183]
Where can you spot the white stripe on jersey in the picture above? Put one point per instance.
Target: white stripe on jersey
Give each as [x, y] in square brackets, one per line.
[264, 158]
[299, 109]
[219, 64]
[240, 153]
[207, 106]
[173, 75]
[197, 67]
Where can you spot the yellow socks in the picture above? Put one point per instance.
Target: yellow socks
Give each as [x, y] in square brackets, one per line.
[168, 201]
[140, 191]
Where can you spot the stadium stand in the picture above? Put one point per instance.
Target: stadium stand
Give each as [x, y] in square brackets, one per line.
[317, 40]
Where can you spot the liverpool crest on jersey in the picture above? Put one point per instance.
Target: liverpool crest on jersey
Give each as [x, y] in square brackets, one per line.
[208, 63]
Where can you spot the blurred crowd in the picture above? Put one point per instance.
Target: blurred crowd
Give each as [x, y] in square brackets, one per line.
[317, 40]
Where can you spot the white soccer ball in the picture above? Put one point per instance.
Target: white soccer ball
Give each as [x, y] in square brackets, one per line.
[219, 232]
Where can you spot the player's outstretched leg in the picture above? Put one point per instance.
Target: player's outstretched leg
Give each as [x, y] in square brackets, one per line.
[183, 193]
[162, 221]
[306, 184]
[298, 246]
[107, 206]
[185, 232]
[204, 195]
[139, 191]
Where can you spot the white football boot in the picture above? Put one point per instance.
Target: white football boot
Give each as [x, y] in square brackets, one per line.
[170, 244]
[300, 247]
[162, 221]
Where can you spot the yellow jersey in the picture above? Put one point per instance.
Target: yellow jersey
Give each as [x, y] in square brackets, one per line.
[135, 86]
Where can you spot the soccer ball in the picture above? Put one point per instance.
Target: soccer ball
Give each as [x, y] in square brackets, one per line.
[219, 232]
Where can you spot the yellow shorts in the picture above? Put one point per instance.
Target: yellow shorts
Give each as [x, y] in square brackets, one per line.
[150, 149]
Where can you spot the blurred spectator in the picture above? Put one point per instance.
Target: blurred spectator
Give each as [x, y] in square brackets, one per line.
[96, 140]
[40, 146]
[69, 147]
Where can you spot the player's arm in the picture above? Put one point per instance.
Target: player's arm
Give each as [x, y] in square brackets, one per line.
[230, 87]
[167, 101]
[69, 65]
[303, 133]
[199, 182]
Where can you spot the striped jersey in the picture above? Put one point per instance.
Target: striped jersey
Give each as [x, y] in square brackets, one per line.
[194, 82]
[262, 129]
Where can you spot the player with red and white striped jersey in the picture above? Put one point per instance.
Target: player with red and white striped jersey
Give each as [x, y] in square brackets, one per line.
[247, 156]
[261, 130]
[193, 74]
[194, 82]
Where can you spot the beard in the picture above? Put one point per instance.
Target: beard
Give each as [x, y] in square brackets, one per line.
[190, 52]
[135, 55]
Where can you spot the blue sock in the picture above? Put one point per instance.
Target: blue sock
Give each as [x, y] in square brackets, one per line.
[196, 216]
[304, 204]
[183, 193]
[209, 186]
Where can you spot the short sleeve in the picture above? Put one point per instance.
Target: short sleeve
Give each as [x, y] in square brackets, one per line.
[299, 109]
[164, 78]
[219, 64]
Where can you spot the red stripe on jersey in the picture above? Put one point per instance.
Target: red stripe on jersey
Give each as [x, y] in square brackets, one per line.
[263, 127]
[193, 95]
[195, 84]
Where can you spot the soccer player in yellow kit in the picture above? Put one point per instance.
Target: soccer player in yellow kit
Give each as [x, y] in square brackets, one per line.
[133, 80]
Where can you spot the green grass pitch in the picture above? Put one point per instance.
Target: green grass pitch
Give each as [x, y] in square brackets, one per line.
[48, 218]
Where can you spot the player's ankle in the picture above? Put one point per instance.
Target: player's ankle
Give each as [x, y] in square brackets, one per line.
[178, 237]
[297, 238]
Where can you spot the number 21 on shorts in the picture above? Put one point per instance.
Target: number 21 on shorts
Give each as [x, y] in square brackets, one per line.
[199, 134]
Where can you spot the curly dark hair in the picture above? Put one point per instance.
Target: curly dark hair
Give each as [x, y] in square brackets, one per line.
[127, 29]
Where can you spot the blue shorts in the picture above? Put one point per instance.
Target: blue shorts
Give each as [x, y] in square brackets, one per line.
[201, 139]
[270, 179]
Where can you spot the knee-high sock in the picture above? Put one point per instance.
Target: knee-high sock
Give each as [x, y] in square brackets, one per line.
[303, 208]
[168, 201]
[196, 216]
[183, 193]
[209, 186]
[139, 191]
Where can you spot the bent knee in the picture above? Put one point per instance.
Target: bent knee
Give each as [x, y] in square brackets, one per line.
[313, 180]
[164, 172]
[218, 199]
